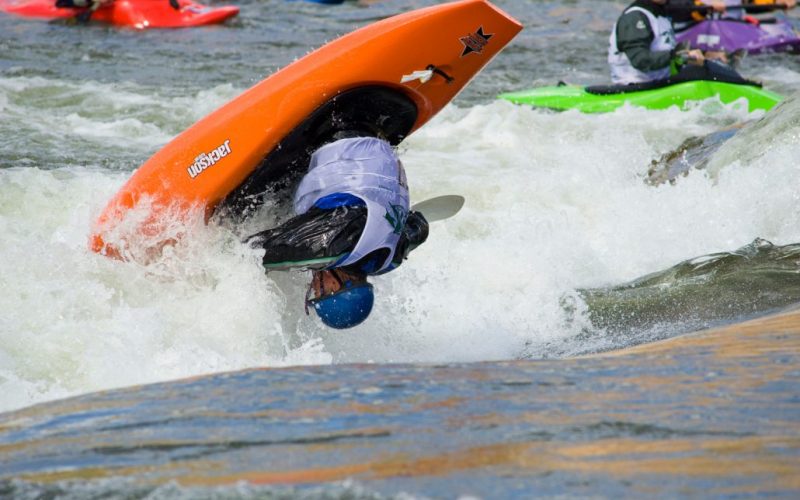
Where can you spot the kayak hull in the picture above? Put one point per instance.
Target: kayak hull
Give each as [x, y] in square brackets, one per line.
[563, 97]
[138, 14]
[267, 132]
[733, 35]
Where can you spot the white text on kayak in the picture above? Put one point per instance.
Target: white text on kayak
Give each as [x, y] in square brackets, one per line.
[206, 160]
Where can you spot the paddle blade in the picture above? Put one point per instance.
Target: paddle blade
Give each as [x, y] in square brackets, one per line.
[440, 208]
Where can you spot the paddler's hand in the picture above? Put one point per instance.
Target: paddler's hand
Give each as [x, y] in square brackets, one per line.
[718, 6]
[695, 57]
[716, 55]
[685, 54]
[787, 4]
[175, 4]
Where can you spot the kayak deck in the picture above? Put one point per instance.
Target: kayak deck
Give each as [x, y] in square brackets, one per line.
[563, 97]
[770, 35]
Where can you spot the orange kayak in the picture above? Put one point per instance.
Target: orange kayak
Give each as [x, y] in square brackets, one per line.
[139, 14]
[386, 79]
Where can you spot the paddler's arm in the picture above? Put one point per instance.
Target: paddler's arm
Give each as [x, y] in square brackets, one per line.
[313, 235]
[634, 37]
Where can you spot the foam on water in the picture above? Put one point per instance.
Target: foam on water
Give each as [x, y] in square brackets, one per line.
[555, 202]
[89, 122]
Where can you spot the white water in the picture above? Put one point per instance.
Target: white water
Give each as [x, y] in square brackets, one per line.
[555, 202]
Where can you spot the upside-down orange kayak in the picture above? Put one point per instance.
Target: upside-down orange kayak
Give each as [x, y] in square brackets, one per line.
[139, 14]
[386, 79]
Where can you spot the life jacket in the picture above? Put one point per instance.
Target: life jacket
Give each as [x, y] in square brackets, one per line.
[622, 71]
[367, 168]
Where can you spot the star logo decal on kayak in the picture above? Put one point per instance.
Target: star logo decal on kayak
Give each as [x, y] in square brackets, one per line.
[475, 42]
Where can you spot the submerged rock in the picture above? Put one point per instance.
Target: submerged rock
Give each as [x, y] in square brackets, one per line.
[714, 289]
[693, 154]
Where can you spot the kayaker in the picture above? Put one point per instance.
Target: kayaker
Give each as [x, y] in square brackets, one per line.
[687, 12]
[90, 6]
[352, 203]
[642, 45]
[738, 9]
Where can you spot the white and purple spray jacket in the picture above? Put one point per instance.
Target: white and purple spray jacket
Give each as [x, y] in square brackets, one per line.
[360, 171]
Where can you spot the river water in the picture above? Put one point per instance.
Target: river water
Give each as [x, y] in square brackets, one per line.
[563, 248]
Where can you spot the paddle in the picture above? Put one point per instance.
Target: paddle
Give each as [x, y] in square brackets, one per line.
[439, 208]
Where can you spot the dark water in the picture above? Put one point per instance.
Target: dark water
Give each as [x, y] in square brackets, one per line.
[702, 419]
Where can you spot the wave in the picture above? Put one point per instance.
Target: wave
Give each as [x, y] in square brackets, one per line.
[556, 203]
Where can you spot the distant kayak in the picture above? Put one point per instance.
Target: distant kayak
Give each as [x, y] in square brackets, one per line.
[770, 35]
[691, 84]
[139, 14]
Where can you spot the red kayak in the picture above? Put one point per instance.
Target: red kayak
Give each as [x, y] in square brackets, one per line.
[139, 14]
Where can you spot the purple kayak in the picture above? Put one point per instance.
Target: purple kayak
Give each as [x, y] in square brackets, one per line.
[770, 35]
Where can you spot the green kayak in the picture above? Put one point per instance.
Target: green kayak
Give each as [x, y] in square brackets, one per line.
[677, 91]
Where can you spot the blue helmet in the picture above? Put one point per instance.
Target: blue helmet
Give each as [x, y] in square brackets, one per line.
[346, 307]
